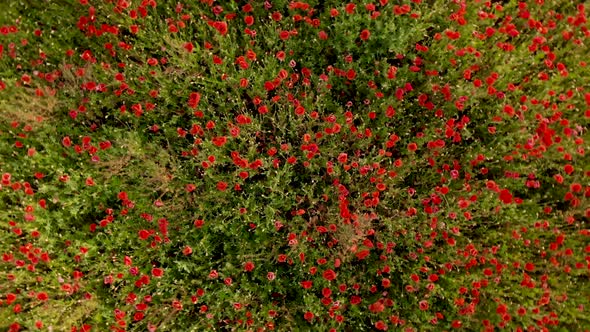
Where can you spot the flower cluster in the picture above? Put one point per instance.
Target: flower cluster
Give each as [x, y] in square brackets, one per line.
[285, 165]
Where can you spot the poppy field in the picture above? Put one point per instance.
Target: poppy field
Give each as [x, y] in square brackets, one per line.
[385, 165]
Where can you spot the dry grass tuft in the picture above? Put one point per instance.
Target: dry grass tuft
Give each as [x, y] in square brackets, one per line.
[24, 106]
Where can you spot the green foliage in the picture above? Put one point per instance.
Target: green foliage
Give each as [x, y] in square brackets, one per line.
[417, 165]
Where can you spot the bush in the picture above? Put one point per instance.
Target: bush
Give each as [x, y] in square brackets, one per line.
[200, 166]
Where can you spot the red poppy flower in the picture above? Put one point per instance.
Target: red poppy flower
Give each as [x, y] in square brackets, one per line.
[221, 186]
[329, 275]
[66, 141]
[381, 326]
[376, 307]
[219, 141]
[144, 234]
[157, 272]
[194, 99]
[189, 47]
[505, 196]
[350, 8]
[221, 27]
[249, 267]
[362, 254]
[199, 223]
[42, 296]
[423, 305]
[365, 34]
[306, 284]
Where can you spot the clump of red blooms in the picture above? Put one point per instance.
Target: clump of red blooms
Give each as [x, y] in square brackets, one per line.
[371, 165]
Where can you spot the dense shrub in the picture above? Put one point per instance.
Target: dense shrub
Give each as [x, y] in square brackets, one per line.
[327, 166]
